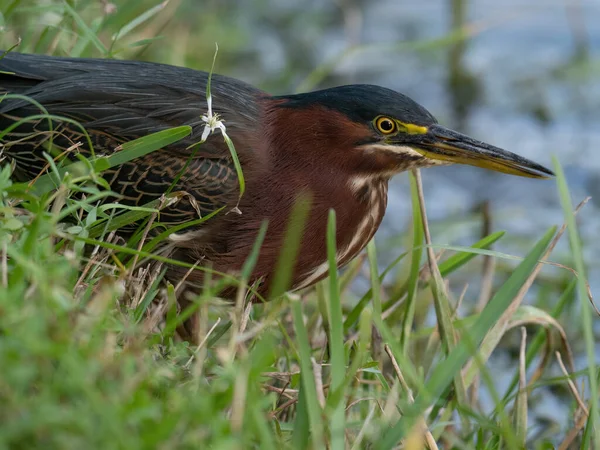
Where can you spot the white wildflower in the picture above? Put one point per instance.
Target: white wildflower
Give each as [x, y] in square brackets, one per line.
[212, 120]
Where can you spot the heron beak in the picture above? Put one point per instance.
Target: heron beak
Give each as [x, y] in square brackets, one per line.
[442, 144]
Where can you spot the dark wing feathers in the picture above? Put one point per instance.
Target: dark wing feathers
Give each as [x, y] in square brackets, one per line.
[102, 91]
[117, 101]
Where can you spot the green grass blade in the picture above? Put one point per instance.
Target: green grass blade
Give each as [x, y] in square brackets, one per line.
[258, 420]
[7, 51]
[147, 144]
[458, 260]
[252, 259]
[291, 246]
[308, 381]
[301, 431]
[139, 20]
[441, 303]
[121, 220]
[520, 407]
[87, 31]
[375, 279]
[586, 310]
[336, 339]
[415, 265]
[236, 162]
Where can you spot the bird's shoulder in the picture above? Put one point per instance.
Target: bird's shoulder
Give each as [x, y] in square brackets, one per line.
[126, 99]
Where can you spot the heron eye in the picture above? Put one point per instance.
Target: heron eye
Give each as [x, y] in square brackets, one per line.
[385, 125]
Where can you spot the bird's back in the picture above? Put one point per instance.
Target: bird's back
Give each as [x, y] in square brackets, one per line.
[118, 101]
[20, 72]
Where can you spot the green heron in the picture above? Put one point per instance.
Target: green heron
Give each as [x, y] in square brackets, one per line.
[341, 145]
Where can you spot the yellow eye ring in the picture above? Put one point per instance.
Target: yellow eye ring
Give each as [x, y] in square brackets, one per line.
[385, 125]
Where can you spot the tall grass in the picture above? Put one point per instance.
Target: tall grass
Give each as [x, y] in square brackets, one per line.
[90, 357]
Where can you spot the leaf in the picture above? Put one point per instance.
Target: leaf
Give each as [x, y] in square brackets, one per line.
[466, 254]
[336, 339]
[586, 312]
[308, 388]
[236, 163]
[143, 42]
[87, 31]
[415, 265]
[136, 22]
[520, 408]
[148, 144]
[291, 245]
[124, 219]
[12, 224]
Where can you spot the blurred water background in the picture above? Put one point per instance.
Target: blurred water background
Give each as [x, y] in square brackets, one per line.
[526, 78]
